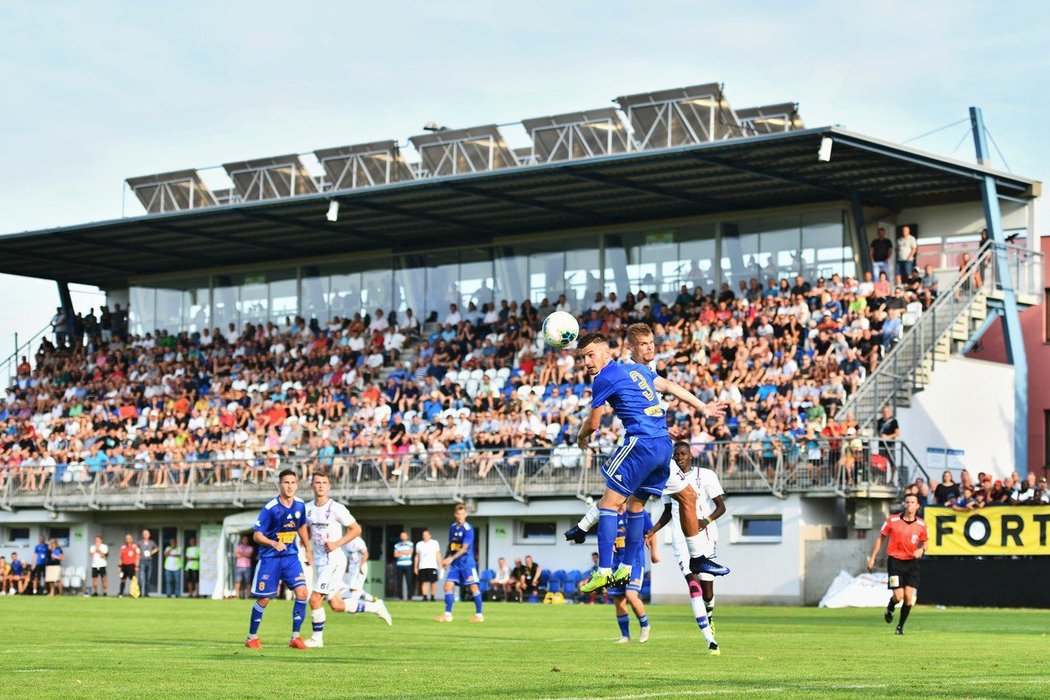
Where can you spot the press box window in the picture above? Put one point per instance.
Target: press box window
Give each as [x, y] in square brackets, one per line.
[18, 535]
[759, 528]
[61, 534]
[537, 532]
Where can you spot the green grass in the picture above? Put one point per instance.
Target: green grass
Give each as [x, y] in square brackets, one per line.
[76, 647]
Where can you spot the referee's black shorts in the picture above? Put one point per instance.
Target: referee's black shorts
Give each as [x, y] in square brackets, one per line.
[903, 572]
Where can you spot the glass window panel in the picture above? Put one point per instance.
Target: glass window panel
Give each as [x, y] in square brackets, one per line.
[315, 288]
[442, 283]
[779, 240]
[224, 304]
[582, 271]
[546, 274]
[741, 259]
[253, 302]
[696, 252]
[376, 288]
[284, 301]
[512, 276]
[410, 285]
[344, 294]
[824, 248]
[196, 309]
[142, 309]
[476, 277]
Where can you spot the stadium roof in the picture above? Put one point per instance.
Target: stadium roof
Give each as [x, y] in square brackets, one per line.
[771, 170]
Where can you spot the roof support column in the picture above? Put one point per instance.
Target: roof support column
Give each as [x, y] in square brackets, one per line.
[1012, 333]
[67, 308]
[862, 247]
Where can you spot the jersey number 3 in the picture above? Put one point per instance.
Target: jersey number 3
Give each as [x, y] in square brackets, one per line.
[643, 384]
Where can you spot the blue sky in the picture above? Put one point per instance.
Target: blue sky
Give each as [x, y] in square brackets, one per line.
[94, 92]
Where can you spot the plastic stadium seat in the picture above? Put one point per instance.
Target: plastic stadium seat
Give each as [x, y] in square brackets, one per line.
[492, 373]
[471, 388]
[484, 584]
[545, 577]
[477, 374]
[540, 390]
[557, 582]
[503, 372]
[523, 391]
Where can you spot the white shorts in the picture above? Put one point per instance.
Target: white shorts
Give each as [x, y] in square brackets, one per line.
[675, 482]
[681, 553]
[328, 580]
[357, 579]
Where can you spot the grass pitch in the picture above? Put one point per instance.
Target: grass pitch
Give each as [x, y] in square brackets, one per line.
[77, 647]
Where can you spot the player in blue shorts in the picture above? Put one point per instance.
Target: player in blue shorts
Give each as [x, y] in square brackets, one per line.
[640, 467]
[629, 593]
[460, 564]
[280, 522]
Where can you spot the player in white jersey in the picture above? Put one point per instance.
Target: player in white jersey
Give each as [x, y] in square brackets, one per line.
[331, 528]
[710, 505]
[642, 344]
[357, 558]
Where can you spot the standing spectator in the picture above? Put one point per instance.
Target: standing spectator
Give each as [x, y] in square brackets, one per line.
[889, 430]
[99, 551]
[403, 551]
[907, 247]
[881, 249]
[60, 326]
[1024, 491]
[53, 570]
[946, 490]
[147, 551]
[502, 581]
[129, 563]
[172, 569]
[242, 568]
[40, 554]
[426, 567]
[193, 567]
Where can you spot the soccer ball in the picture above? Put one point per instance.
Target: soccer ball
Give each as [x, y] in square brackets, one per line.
[560, 329]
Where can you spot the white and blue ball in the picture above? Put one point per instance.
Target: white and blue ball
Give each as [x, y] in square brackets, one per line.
[560, 329]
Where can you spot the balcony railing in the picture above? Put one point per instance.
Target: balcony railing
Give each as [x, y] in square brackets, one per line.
[845, 466]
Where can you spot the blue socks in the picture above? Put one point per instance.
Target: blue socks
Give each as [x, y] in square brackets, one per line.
[477, 603]
[607, 537]
[449, 597]
[635, 536]
[298, 615]
[624, 621]
[255, 619]
[643, 621]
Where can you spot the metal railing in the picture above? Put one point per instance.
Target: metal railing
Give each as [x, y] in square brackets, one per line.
[777, 465]
[9, 365]
[900, 372]
[1025, 267]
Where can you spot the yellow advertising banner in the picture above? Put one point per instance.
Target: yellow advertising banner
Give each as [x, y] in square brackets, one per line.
[991, 531]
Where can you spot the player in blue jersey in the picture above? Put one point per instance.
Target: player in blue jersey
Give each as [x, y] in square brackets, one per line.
[640, 467]
[629, 592]
[642, 345]
[280, 522]
[461, 565]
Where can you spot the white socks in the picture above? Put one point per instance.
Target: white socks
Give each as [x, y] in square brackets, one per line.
[700, 613]
[589, 519]
[696, 544]
[317, 617]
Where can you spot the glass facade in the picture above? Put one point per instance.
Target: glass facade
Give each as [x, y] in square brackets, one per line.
[654, 258]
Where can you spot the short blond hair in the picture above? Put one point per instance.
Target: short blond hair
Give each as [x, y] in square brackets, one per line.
[638, 330]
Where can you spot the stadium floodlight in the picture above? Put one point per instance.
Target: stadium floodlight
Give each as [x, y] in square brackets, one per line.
[270, 178]
[770, 119]
[458, 151]
[174, 191]
[333, 211]
[824, 154]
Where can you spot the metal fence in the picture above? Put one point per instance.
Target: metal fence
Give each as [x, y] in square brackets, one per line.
[778, 465]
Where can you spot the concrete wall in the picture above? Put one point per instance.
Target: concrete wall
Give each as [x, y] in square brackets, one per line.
[968, 405]
[958, 219]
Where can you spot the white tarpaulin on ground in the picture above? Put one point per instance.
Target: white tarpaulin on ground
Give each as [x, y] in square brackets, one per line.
[864, 591]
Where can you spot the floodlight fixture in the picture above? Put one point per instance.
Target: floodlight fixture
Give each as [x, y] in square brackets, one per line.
[824, 153]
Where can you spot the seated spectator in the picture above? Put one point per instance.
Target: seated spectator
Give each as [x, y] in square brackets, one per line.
[529, 578]
[502, 583]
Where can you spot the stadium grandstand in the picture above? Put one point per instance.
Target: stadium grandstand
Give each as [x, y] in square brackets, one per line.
[373, 309]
